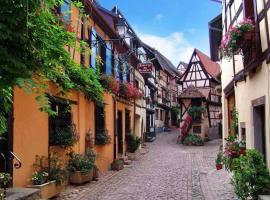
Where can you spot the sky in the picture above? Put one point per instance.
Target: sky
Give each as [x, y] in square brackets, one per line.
[174, 27]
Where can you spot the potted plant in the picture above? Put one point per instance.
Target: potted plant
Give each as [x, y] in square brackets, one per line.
[236, 36]
[80, 168]
[219, 159]
[5, 179]
[117, 165]
[102, 137]
[49, 176]
[133, 143]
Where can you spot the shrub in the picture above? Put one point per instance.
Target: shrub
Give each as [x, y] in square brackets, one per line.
[79, 162]
[250, 177]
[52, 167]
[194, 140]
[102, 137]
[65, 137]
[133, 143]
[5, 179]
[231, 153]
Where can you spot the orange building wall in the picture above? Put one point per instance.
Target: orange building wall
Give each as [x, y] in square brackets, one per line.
[30, 135]
[105, 152]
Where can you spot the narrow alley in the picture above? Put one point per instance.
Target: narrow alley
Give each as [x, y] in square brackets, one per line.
[167, 171]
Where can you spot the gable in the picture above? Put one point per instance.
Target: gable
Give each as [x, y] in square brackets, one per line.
[195, 74]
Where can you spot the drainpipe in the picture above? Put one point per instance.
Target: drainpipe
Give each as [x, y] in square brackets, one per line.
[114, 130]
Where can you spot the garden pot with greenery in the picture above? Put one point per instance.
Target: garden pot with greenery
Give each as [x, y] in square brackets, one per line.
[133, 143]
[80, 168]
[117, 165]
[49, 177]
[193, 140]
[219, 158]
[48, 189]
[5, 179]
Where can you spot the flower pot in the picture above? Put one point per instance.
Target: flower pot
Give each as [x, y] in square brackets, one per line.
[248, 35]
[132, 156]
[117, 166]
[79, 178]
[219, 166]
[95, 174]
[242, 151]
[48, 190]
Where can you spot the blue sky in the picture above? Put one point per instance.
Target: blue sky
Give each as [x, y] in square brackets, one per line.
[174, 27]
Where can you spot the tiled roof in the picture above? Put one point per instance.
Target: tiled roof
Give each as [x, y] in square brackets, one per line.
[210, 66]
[192, 93]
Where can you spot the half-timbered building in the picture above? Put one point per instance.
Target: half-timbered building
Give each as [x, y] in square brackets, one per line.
[245, 77]
[199, 84]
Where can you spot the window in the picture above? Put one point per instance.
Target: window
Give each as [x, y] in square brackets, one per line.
[82, 38]
[60, 122]
[197, 129]
[161, 115]
[64, 10]
[92, 37]
[128, 126]
[157, 114]
[99, 119]
[101, 51]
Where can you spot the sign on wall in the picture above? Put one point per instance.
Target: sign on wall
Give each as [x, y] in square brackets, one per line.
[145, 68]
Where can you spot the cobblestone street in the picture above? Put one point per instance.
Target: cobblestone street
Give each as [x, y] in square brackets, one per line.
[168, 171]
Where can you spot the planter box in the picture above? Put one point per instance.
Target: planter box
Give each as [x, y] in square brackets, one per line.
[79, 178]
[117, 167]
[48, 190]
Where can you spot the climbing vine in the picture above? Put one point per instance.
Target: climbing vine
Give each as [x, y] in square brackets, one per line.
[33, 52]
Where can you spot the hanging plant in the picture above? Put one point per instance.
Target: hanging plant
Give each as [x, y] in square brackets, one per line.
[110, 84]
[129, 92]
[234, 38]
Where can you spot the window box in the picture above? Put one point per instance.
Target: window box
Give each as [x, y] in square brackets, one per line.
[48, 190]
[79, 178]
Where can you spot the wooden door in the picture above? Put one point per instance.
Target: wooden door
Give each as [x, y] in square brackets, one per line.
[231, 107]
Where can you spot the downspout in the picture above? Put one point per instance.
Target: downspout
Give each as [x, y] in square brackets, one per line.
[115, 127]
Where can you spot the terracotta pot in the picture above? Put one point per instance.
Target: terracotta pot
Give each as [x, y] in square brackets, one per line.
[219, 166]
[117, 166]
[248, 35]
[95, 174]
[132, 156]
[79, 178]
[48, 190]
[242, 150]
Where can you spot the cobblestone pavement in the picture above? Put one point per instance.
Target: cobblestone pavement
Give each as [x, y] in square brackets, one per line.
[168, 172]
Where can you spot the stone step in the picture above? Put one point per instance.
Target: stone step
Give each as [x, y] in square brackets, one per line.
[264, 197]
[22, 194]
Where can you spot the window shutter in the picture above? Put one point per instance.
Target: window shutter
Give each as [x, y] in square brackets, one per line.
[93, 37]
[108, 59]
[125, 71]
[117, 67]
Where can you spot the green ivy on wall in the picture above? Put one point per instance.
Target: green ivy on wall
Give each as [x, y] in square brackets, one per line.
[33, 52]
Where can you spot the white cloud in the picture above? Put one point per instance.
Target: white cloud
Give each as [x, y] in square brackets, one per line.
[174, 46]
[159, 17]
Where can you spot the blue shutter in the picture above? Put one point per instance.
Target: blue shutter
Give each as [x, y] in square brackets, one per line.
[116, 66]
[125, 71]
[108, 59]
[93, 48]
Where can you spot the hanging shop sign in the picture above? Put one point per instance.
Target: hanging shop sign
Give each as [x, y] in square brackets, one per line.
[145, 68]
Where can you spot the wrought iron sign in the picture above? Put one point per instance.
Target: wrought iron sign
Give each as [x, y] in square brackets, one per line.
[145, 68]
